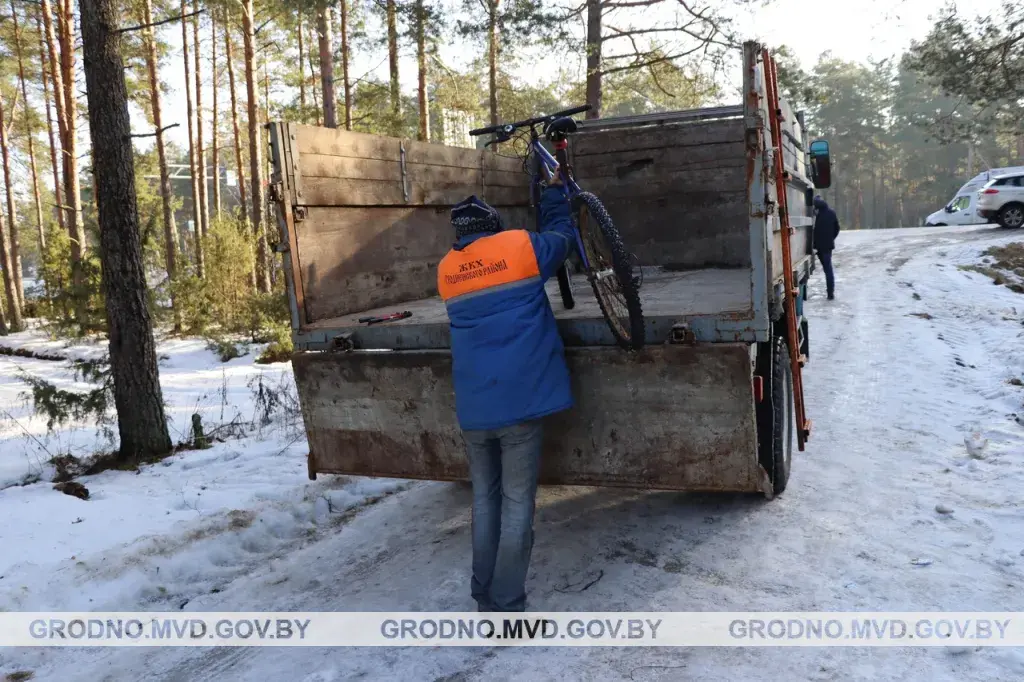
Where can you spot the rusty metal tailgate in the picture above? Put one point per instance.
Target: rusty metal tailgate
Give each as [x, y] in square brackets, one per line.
[675, 417]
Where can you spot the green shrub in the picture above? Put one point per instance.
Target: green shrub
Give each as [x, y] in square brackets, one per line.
[224, 300]
[60, 406]
[193, 306]
[279, 348]
[225, 349]
[72, 310]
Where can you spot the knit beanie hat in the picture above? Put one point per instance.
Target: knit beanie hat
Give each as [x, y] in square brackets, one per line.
[474, 216]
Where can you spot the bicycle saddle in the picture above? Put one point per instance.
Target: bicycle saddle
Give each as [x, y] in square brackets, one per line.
[560, 127]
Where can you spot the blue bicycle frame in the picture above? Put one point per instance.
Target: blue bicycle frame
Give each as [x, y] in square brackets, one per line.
[569, 189]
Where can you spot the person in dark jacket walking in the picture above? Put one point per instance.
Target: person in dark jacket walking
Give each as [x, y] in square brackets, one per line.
[509, 371]
[826, 229]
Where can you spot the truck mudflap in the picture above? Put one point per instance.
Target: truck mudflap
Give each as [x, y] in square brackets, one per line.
[673, 417]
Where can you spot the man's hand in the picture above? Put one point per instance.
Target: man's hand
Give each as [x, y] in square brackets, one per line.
[556, 177]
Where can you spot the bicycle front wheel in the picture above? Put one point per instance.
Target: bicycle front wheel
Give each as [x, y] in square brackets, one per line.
[611, 271]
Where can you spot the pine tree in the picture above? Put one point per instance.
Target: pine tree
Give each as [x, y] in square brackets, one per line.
[142, 424]
[193, 156]
[166, 193]
[29, 132]
[255, 148]
[13, 239]
[48, 97]
[324, 42]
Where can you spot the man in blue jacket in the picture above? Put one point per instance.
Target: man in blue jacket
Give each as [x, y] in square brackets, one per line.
[826, 229]
[509, 371]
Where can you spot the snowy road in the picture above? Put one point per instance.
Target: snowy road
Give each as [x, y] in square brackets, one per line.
[892, 395]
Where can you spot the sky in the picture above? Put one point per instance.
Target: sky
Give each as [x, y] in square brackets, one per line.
[855, 30]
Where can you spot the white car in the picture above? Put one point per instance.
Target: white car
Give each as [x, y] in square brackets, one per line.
[1002, 200]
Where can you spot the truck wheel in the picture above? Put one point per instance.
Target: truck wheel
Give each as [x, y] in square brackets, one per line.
[775, 412]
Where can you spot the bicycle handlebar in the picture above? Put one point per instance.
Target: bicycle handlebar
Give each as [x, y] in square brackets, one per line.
[509, 127]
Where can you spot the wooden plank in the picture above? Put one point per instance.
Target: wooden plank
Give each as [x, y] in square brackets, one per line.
[694, 402]
[666, 293]
[350, 192]
[650, 182]
[328, 142]
[704, 232]
[354, 259]
[320, 166]
[658, 137]
[626, 164]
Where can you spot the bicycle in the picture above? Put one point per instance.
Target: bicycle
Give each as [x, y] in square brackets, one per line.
[605, 260]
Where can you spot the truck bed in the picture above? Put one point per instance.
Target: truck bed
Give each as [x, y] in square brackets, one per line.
[668, 297]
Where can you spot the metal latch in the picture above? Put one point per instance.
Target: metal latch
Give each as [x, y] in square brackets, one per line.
[343, 342]
[276, 191]
[405, 176]
[681, 333]
[299, 214]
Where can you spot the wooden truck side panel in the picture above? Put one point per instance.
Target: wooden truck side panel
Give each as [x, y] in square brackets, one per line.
[673, 417]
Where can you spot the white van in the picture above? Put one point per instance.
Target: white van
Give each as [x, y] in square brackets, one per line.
[963, 208]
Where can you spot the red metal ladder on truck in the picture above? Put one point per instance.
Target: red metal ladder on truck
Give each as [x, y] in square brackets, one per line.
[775, 117]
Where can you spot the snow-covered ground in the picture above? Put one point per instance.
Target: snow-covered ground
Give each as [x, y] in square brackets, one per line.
[913, 357]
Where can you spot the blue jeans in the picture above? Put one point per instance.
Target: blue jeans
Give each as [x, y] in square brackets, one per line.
[503, 465]
[826, 265]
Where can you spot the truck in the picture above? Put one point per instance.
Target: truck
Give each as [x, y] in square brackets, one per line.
[715, 206]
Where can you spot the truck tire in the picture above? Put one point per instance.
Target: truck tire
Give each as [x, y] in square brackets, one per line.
[565, 287]
[775, 412]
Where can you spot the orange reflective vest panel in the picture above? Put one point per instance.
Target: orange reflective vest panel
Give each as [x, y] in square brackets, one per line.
[496, 260]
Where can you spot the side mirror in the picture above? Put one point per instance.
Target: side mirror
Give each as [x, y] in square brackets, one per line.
[949, 208]
[821, 164]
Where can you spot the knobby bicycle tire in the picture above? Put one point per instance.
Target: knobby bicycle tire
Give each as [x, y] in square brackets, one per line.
[598, 231]
[565, 286]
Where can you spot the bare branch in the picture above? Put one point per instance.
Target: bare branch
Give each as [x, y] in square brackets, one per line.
[649, 62]
[168, 20]
[654, 77]
[620, 33]
[631, 3]
[157, 132]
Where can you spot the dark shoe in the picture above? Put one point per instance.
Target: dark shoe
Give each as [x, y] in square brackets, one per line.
[831, 296]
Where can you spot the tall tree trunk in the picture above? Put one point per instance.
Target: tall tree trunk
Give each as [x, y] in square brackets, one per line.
[265, 143]
[312, 78]
[10, 288]
[396, 94]
[141, 422]
[236, 134]
[255, 149]
[193, 171]
[72, 184]
[346, 81]
[492, 60]
[46, 22]
[60, 55]
[29, 133]
[166, 194]
[214, 141]
[13, 243]
[421, 69]
[302, 69]
[324, 43]
[595, 9]
[44, 69]
[204, 209]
